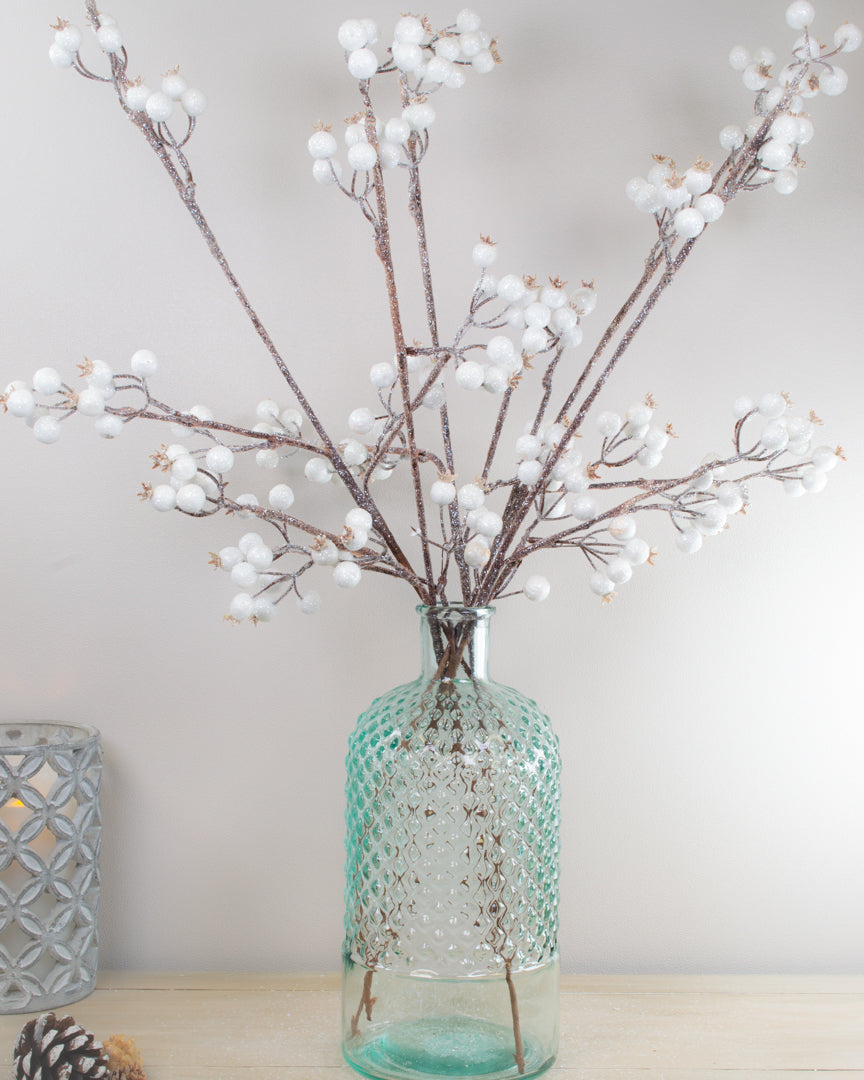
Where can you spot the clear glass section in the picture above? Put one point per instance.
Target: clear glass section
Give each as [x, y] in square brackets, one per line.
[450, 958]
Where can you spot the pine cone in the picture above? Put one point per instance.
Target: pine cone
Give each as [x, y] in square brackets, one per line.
[124, 1058]
[52, 1048]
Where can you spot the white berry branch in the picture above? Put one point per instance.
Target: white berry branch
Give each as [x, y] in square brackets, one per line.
[532, 488]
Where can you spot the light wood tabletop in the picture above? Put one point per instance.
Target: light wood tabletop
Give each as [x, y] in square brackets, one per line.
[242, 1026]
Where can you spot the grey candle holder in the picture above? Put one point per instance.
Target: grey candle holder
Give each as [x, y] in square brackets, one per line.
[50, 833]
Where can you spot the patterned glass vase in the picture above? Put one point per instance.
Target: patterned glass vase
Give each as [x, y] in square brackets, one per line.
[450, 957]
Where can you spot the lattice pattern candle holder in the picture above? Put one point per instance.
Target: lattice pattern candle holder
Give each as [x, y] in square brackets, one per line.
[50, 832]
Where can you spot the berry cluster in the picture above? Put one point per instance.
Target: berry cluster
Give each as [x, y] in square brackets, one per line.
[763, 152]
[425, 61]
[151, 109]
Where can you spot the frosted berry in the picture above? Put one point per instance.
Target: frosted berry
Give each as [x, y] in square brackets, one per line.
[358, 518]
[68, 37]
[219, 459]
[710, 207]
[174, 85]
[60, 57]
[407, 56]
[263, 609]
[21, 403]
[636, 551]
[318, 470]
[484, 254]
[362, 156]
[689, 541]
[260, 556]
[281, 497]
[471, 497]
[191, 498]
[109, 426]
[362, 64]
[689, 223]
[476, 553]
[347, 575]
[46, 429]
[322, 145]
[442, 492]
[159, 107]
[110, 39]
[241, 607]
[137, 95]
[352, 35]
[91, 401]
[163, 497]
[361, 421]
[799, 14]
[529, 472]
[382, 375]
[833, 81]
[409, 31]
[824, 458]
[847, 37]
[244, 575]
[536, 588]
[813, 480]
[309, 604]
[600, 584]
[469, 375]
[143, 363]
[193, 102]
[47, 381]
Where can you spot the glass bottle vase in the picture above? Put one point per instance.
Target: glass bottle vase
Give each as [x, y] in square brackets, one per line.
[450, 957]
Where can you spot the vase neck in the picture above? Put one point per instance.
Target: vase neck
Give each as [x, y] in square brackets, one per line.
[455, 643]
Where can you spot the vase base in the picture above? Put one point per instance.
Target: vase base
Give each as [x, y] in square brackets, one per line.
[447, 1046]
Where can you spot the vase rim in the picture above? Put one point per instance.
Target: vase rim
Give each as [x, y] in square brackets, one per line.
[23, 736]
[483, 611]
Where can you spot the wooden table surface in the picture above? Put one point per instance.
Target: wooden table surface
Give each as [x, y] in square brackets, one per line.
[223, 1026]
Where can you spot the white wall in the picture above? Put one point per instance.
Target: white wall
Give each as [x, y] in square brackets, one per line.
[710, 717]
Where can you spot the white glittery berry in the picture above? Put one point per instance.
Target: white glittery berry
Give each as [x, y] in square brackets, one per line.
[174, 85]
[600, 584]
[47, 381]
[109, 426]
[46, 429]
[318, 470]
[191, 498]
[241, 607]
[143, 363]
[442, 492]
[68, 37]
[219, 459]
[322, 145]
[309, 603]
[60, 57]
[110, 39]
[536, 588]
[347, 575]
[159, 107]
[91, 401]
[21, 402]
[362, 64]
[361, 421]
[799, 14]
[163, 497]
[193, 102]
[471, 497]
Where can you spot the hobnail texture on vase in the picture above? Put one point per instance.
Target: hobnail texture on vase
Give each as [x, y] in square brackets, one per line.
[452, 832]
[50, 833]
